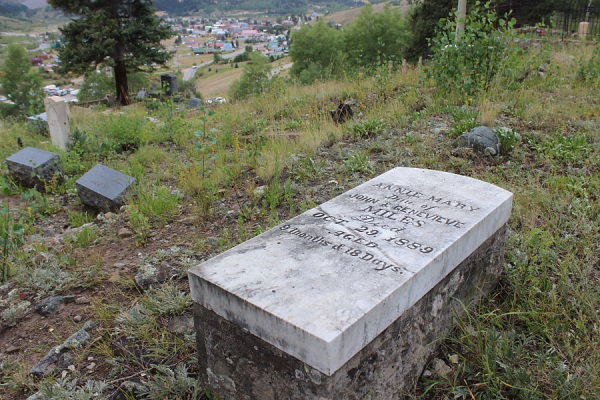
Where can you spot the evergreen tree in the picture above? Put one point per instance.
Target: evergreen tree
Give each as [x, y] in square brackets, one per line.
[125, 34]
[21, 82]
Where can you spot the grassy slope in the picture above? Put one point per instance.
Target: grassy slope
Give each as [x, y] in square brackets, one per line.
[535, 337]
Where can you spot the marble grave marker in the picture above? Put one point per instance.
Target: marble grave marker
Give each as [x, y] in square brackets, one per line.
[319, 289]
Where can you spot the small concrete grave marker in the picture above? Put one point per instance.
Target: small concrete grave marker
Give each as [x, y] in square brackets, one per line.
[348, 297]
[33, 167]
[58, 121]
[103, 188]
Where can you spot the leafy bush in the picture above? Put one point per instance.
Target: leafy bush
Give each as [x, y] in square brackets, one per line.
[469, 65]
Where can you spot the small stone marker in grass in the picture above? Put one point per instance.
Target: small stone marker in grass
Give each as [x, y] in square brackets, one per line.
[33, 167]
[103, 188]
[347, 300]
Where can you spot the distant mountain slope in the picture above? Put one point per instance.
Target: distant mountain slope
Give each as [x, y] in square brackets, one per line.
[179, 7]
[35, 3]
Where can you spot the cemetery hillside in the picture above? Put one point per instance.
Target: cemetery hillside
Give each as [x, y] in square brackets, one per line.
[308, 205]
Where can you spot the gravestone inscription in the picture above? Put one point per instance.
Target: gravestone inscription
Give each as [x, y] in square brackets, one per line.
[103, 188]
[33, 167]
[320, 288]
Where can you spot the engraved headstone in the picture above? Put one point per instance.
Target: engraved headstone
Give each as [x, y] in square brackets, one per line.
[359, 286]
[33, 167]
[103, 188]
[169, 83]
[58, 121]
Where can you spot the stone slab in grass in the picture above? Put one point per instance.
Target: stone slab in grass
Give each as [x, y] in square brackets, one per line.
[103, 188]
[33, 167]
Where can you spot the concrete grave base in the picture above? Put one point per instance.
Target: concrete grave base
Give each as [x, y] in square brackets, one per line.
[235, 364]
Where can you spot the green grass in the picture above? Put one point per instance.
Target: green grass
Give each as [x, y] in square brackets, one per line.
[535, 337]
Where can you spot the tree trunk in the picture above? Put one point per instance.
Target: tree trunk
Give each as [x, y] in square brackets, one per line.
[121, 83]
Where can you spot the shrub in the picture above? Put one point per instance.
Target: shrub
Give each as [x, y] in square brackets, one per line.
[469, 65]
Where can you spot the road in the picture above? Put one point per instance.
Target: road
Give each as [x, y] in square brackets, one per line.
[190, 72]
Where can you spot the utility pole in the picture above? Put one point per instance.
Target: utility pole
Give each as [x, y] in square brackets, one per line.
[461, 15]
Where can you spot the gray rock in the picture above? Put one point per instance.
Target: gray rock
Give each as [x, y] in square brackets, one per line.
[53, 304]
[151, 276]
[181, 325]
[194, 103]
[481, 139]
[42, 367]
[124, 233]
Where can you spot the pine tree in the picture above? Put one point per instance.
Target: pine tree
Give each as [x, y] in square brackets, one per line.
[123, 34]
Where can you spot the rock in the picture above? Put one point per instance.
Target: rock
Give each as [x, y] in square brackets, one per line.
[151, 276]
[259, 192]
[40, 259]
[65, 360]
[11, 349]
[42, 367]
[53, 304]
[181, 325]
[77, 318]
[481, 139]
[82, 300]
[441, 368]
[342, 113]
[124, 233]
[189, 220]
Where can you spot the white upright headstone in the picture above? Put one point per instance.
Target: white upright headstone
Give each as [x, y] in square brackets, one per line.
[58, 121]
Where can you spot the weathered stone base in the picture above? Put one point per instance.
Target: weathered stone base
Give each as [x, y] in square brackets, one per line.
[239, 366]
[34, 168]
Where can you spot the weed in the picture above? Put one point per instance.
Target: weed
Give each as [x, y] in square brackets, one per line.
[567, 149]
[207, 141]
[158, 204]
[464, 119]
[84, 236]
[174, 383]
[367, 128]
[76, 218]
[11, 237]
[167, 300]
[68, 389]
[140, 224]
[358, 162]
[508, 139]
